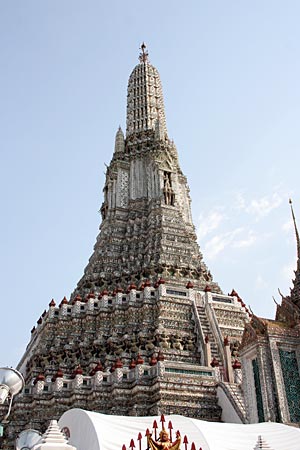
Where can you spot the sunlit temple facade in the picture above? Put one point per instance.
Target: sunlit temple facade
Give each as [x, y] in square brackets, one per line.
[147, 331]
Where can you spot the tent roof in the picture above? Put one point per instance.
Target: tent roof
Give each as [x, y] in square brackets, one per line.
[94, 431]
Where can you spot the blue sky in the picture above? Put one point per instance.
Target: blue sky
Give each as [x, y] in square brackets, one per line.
[230, 73]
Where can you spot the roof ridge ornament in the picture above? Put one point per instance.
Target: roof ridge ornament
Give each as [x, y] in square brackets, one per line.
[143, 57]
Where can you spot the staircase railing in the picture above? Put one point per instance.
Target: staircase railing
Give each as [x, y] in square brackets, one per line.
[215, 330]
[235, 399]
[199, 333]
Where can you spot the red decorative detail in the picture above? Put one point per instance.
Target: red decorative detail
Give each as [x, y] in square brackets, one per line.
[193, 446]
[153, 360]
[123, 447]
[139, 359]
[189, 285]
[132, 444]
[234, 294]
[98, 367]
[113, 368]
[132, 286]
[185, 441]
[163, 420]
[156, 285]
[178, 433]
[147, 283]
[92, 372]
[226, 341]
[78, 298]
[207, 288]
[119, 290]
[139, 438]
[170, 426]
[40, 321]
[214, 363]
[142, 287]
[206, 339]
[155, 426]
[39, 377]
[118, 364]
[52, 303]
[161, 281]
[63, 302]
[104, 292]
[59, 373]
[99, 296]
[78, 371]
[91, 295]
[236, 364]
[132, 365]
[160, 356]
[147, 432]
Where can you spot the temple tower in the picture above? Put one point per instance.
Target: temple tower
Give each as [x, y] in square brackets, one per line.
[147, 230]
[147, 330]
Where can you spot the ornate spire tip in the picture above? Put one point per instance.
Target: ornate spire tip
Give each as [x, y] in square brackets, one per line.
[143, 57]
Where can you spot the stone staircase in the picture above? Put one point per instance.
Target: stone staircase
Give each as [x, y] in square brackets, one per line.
[207, 332]
[190, 396]
[234, 393]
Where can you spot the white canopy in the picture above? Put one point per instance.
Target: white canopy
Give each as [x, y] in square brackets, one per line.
[93, 431]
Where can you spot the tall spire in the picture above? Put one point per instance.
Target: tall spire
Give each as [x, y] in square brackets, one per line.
[296, 230]
[145, 104]
[295, 291]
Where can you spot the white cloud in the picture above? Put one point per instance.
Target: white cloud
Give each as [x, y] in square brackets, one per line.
[258, 207]
[237, 238]
[248, 241]
[209, 223]
[260, 282]
[219, 242]
[288, 226]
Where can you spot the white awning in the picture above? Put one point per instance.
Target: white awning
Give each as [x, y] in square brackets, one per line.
[94, 431]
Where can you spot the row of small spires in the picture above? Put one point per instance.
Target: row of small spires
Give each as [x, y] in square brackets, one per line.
[261, 443]
[131, 287]
[119, 365]
[163, 430]
[99, 368]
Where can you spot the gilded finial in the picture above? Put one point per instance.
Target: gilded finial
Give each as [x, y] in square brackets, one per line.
[296, 229]
[143, 57]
